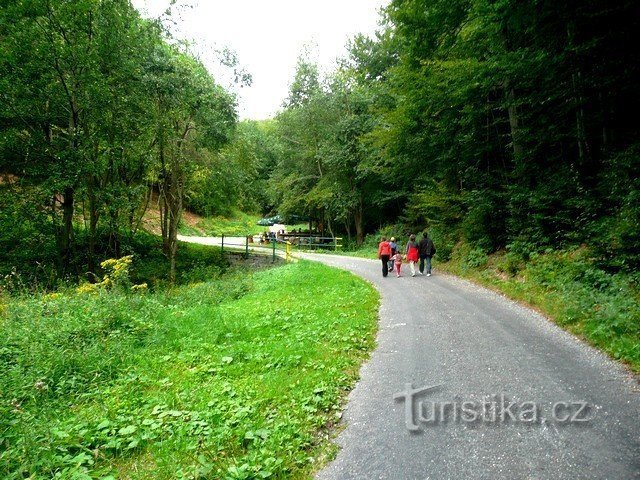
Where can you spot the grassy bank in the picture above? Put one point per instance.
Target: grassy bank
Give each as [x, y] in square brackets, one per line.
[601, 307]
[238, 377]
[235, 224]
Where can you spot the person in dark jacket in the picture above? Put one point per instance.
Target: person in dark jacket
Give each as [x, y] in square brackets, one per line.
[427, 249]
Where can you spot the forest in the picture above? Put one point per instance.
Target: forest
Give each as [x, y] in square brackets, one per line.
[504, 125]
[101, 114]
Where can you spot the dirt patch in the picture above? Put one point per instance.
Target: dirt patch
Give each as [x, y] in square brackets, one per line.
[191, 219]
[8, 179]
[151, 218]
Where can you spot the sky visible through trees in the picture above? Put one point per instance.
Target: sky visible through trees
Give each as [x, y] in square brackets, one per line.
[267, 36]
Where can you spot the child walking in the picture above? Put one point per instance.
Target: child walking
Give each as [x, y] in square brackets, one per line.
[397, 260]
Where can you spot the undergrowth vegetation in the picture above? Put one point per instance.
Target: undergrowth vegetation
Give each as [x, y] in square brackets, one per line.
[238, 377]
[27, 266]
[235, 224]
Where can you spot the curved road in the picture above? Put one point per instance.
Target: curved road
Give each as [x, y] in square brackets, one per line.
[514, 396]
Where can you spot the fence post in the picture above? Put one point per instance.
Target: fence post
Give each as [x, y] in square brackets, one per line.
[246, 246]
[222, 244]
[273, 254]
[335, 244]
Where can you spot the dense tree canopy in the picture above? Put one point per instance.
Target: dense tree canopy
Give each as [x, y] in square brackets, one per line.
[98, 114]
[501, 124]
[506, 123]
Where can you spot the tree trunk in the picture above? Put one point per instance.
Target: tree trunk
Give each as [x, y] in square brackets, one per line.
[163, 204]
[169, 225]
[330, 228]
[358, 217]
[605, 123]
[114, 234]
[93, 224]
[137, 222]
[171, 187]
[514, 122]
[347, 227]
[65, 232]
[584, 151]
[175, 212]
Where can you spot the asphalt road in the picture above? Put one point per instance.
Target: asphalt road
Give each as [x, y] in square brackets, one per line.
[501, 368]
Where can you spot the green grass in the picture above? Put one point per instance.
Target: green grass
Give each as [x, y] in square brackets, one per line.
[239, 377]
[185, 229]
[601, 307]
[237, 224]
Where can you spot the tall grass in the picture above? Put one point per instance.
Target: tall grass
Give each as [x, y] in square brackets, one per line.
[238, 377]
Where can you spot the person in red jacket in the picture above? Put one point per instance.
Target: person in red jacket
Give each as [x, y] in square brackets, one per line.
[412, 254]
[384, 253]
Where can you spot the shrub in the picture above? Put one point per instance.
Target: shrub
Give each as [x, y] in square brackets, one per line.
[476, 258]
[522, 249]
[512, 264]
[483, 225]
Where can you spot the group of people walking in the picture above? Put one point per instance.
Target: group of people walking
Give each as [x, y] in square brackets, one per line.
[391, 255]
